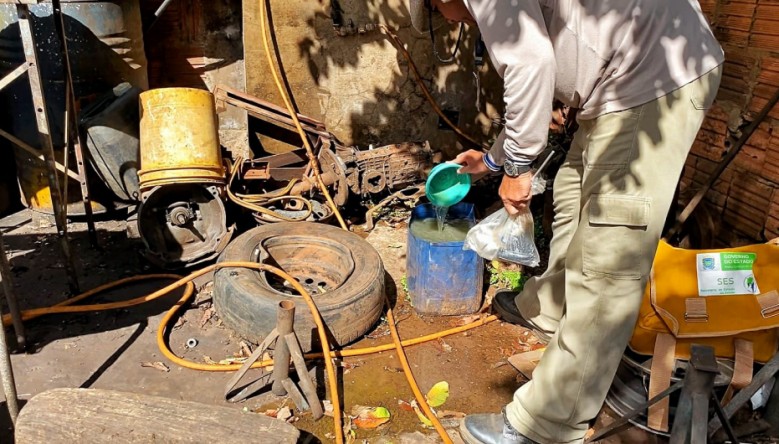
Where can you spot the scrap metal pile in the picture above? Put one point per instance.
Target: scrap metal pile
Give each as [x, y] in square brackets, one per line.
[189, 189]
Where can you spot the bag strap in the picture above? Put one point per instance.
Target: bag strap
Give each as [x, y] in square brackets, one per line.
[695, 310]
[663, 361]
[769, 303]
[742, 369]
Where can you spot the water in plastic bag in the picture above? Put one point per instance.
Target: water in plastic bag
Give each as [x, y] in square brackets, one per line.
[504, 237]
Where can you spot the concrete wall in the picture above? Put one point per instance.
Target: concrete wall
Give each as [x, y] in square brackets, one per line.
[198, 44]
[360, 86]
[745, 200]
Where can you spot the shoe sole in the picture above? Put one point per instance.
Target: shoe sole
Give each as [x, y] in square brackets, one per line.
[512, 318]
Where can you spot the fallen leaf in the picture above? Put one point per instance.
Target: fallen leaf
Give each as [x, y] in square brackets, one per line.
[369, 417]
[284, 413]
[444, 346]
[156, 365]
[403, 405]
[421, 415]
[393, 369]
[395, 245]
[231, 360]
[328, 407]
[438, 394]
[208, 360]
[321, 289]
[207, 315]
[449, 414]
[349, 433]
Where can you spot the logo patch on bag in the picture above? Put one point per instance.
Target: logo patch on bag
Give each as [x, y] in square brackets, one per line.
[721, 274]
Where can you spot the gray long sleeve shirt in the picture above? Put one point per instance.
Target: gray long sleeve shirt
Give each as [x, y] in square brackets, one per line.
[600, 56]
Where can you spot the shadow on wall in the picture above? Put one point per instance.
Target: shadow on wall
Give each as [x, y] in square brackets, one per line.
[361, 87]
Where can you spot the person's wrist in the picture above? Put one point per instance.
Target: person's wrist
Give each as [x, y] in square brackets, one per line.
[515, 169]
[490, 163]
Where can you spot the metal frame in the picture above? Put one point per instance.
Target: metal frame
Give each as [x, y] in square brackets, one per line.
[31, 67]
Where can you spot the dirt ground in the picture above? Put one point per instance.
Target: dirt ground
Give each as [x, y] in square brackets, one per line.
[105, 350]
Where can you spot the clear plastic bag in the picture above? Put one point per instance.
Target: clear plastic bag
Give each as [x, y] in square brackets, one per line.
[504, 237]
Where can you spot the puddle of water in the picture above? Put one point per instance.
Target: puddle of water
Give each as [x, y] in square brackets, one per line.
[454, 230]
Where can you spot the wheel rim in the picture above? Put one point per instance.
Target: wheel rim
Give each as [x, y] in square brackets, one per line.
[319, 265]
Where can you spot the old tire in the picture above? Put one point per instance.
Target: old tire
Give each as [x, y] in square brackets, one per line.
[342, 272]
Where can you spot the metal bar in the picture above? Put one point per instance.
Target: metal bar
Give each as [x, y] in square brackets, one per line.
[768, 371]
[36, 154]
[10, 297]
[723, 419]
[285, 316]
[294, 392]
[745, 135]
[617, 425]
[256, 354]
[42, 121]
[6, 370]
[78, 145]
[157, 15]
[13, 75]
[305, 381]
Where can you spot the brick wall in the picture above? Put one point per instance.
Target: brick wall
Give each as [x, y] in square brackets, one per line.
[745, 200]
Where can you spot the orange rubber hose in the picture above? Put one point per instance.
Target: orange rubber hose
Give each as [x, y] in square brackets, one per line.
[410, 377]
[65, 306]
[309, 151]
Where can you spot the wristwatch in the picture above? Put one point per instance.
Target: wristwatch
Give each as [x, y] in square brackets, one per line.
[512, 169]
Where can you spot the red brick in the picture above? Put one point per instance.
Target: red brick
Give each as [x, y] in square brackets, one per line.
[734, 83]
[770, 63]
[717, 112]
[744, 220]
[764, 91]
[738, 98]
[767, 42]
[750, 159]
[743, 9]
[767, 12]
[706, 150]
[761, 138]
[735, 22]
[757, 104]
[747, 190]
[733, 37]
[715, 126]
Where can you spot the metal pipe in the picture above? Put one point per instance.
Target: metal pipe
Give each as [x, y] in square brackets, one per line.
[71, 114]
[285, 315]
[6, 370]
[305, 186]
[305, 381]
[10, 297]
[157, 14]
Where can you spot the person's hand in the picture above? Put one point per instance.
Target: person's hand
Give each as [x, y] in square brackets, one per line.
[515, 192]
[472, 163]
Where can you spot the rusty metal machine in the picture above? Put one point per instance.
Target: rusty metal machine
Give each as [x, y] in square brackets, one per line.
[279, 181]
[181, 219]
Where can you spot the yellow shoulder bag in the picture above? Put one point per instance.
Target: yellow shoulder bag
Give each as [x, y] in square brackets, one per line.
[726, 299]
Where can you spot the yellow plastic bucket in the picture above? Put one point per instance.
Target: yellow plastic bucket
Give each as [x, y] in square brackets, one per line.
[179, 138]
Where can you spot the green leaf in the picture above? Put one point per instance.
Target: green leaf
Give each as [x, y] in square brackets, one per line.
[438, 395]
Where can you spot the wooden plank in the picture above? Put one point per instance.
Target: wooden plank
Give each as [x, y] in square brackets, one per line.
[89, 416]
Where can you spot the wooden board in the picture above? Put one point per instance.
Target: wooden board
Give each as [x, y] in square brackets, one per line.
[97, 416]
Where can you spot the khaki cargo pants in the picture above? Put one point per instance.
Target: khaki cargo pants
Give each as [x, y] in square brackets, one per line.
[611, 197]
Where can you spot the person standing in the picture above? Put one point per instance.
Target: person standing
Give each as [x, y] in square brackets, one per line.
[641, 74]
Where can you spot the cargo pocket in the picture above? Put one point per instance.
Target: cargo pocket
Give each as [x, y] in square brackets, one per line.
[615, 237]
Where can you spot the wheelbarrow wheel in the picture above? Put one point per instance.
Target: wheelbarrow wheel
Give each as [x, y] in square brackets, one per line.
[342, 272]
